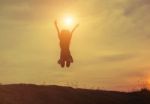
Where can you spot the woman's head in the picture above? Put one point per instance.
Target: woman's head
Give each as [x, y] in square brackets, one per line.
[65, 32]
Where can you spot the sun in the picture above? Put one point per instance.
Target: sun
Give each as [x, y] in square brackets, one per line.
[148, 83]
[68, 21]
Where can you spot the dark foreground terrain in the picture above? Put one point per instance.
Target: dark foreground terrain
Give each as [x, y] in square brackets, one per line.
[35, 94]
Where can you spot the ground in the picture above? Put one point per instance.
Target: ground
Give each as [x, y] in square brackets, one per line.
[42, 94]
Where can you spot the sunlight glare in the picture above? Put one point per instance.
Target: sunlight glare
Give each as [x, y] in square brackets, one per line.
[68, 21]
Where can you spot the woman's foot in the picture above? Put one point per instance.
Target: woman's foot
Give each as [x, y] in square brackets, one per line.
[71, 59]
[68, 63]
[59, 61]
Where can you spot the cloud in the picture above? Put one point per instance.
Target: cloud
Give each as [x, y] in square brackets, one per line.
[135, 5]
[117, 57]
[31, 10]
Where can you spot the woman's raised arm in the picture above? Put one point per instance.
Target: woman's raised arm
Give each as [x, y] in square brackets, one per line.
[56, 25]
[74, 28]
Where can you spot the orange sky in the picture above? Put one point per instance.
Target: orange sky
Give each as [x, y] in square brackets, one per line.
[110, 48]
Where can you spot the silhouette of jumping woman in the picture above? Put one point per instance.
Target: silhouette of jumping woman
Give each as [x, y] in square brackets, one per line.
[65, 39]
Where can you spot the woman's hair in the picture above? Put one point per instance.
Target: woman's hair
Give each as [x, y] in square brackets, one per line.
[65, 32]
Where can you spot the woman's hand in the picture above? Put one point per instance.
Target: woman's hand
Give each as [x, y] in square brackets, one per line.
[77, 25]
[55, 22]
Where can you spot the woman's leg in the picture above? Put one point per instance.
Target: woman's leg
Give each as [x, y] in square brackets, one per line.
[68, 63]
[61, 61]
[62, 64]
[65, 58]
[70, 57]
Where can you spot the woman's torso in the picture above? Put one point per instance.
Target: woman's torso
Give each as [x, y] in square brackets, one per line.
[65, 38]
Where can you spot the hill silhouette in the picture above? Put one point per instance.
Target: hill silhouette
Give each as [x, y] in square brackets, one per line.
[39, 94]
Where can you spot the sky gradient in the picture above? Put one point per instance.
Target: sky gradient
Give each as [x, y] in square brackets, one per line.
[110, 48]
